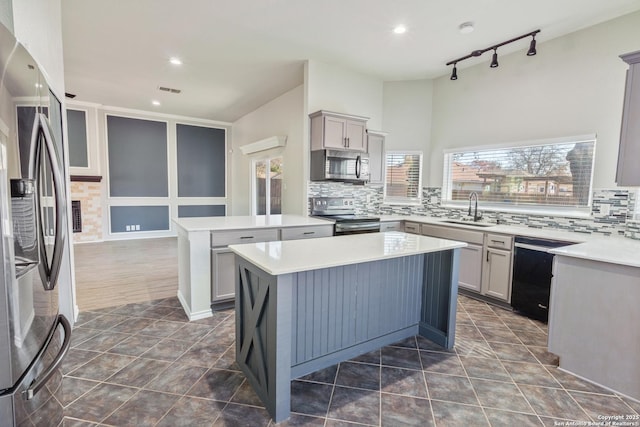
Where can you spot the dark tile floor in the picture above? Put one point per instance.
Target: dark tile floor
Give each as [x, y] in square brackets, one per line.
[145, 365]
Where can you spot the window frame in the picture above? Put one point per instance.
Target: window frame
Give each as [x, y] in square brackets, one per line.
[254, 188]
[536, 209]
[404, 201]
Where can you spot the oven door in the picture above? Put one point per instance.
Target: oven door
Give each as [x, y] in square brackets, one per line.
[343, 228]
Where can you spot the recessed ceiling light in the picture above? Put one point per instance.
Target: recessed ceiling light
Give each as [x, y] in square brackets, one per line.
[466, 27]
[156, 103]
[400, 29]
[175, 61]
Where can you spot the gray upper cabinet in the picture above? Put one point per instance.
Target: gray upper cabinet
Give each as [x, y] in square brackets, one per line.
[336, 131]
[375, 144]
[628, 173]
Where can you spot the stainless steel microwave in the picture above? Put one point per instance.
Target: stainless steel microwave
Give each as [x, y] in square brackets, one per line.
[337, 165]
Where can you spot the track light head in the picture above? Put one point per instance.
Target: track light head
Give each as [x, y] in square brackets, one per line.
[454, 73]
[494, 59]
[532, 47]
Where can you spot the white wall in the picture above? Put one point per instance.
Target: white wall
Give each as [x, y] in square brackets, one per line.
[337, 89]
[407, 117]
[281, 116]
[6, 14]
[98, 150]
[573, 86]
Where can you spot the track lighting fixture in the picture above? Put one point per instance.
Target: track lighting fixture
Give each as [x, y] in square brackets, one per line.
[494, 59]
[454, 73]
[532, 47]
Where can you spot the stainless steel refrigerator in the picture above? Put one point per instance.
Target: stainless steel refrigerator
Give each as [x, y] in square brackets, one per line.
[34, 337]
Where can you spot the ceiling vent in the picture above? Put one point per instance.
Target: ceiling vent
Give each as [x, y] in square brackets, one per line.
[70, 95]
[168, 89]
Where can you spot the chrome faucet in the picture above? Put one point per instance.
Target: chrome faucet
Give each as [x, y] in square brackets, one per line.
[474, 196]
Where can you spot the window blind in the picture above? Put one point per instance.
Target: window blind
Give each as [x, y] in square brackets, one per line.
[403, 177]
[557, 173]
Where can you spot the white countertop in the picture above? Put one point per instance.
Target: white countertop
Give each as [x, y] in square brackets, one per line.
[514, 230]
[610, 250]
[311, 254]
[237, 222]
[596, 247]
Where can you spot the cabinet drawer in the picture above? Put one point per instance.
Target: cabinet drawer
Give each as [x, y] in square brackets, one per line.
[234, 237]
[452, 233]
[391, 226]
[295, 233]
[412, 227]
[499, 241]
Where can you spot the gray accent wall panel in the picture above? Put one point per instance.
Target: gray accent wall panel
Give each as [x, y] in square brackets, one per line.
[137, 157]
[188, 211]
[201, 161]
[77, 128]
[150, 218]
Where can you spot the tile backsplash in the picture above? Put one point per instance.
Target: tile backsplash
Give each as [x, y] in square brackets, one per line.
[617, 221]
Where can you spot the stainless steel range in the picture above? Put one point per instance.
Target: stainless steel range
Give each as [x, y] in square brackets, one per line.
[343, 211]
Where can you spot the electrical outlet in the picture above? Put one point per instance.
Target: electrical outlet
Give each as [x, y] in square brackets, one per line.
[137, 227]
[127, 227]
[605, 209]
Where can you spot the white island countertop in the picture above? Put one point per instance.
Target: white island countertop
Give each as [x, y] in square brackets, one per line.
[243, 222]
[295, 256]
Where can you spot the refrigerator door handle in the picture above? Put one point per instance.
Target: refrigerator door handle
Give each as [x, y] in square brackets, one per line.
[35, 387]
[42, 138]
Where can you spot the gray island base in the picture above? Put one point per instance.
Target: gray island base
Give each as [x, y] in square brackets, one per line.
[296, 314]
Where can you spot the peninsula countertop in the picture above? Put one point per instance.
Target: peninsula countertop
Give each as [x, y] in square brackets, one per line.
[294, 256]
[243, 222]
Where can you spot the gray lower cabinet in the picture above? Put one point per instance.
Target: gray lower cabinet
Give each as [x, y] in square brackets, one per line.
[223, 261]
[411, 227]
[628, 173]
[222, 275]
[496, 275]
[485, 264]
[470, 276]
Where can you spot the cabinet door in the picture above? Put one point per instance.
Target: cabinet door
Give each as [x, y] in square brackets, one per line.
[391, 226]
[497, 274]
[470, 273]
[375, 146]
[335, 133]
[356, 135]
[223, 278]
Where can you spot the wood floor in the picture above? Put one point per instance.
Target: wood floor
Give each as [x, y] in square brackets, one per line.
[125, 271]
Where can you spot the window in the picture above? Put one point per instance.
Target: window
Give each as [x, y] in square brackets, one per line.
[548, 175]
[403, 177]
[266, 186]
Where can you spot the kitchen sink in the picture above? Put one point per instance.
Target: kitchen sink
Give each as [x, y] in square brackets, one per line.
[471, 223]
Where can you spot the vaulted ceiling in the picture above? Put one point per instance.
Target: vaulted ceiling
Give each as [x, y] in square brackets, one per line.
[237, 55]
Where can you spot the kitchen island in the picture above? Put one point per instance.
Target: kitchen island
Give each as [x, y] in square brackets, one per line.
[206, 267]
[594, 315]
[305, 305]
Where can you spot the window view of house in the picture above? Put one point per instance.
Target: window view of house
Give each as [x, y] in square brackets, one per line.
[557, 174]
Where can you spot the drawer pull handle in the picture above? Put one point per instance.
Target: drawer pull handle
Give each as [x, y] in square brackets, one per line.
[544, 307]
[498, 241]
[247, 237]
[309, 232]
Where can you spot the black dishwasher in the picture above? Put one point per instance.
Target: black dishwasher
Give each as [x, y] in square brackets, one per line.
[532, 266]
